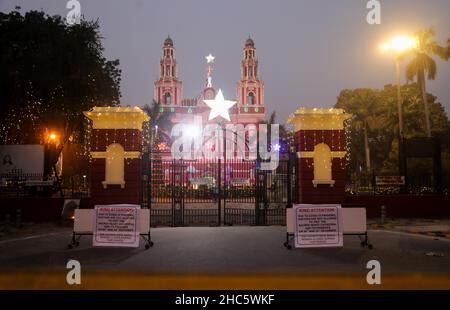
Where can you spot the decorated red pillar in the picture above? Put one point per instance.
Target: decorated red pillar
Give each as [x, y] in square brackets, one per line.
[115, 149]
[321, 154]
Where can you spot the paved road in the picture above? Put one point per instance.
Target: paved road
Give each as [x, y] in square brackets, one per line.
[230, 249]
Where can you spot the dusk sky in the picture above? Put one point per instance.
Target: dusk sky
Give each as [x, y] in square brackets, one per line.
[309, 50]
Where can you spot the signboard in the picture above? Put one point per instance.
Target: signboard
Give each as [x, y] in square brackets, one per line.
[32, 183]
[22, 159]
[203, 181]
[318, 226]
[240, 181]
[116, 225]
[392, 180]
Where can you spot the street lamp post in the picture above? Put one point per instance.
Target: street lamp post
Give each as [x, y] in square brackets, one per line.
[51, 147]
[399, 99]
[53, 150]
[399, 45]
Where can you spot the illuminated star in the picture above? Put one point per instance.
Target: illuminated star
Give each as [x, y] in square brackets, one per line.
[219, 106]
[277, 147]
[210, 58]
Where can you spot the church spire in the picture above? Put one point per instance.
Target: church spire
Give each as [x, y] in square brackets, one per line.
[250, 88]
[168, 87]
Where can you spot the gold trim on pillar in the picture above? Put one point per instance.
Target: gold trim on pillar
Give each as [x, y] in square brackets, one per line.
[127, 155]
[318, 119]
[334, 154]
[117, 117]
[323, 182]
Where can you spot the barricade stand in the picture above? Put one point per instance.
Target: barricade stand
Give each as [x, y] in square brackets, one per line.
[84, 226]
[354, 220]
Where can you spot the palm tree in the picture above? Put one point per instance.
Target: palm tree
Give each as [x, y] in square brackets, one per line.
[160, 123]
[423, 64]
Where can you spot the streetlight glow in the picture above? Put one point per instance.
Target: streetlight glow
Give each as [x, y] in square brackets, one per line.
[52, 137]
[399, 44]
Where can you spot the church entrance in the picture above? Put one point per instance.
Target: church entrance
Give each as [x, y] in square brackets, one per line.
[218, 192]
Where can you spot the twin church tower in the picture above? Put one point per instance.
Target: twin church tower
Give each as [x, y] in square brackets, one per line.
[249, 108]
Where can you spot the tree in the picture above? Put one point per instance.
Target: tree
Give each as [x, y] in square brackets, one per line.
[379, 112]
[160, 123]
[363, 104]
[50, 73]
[424, 65]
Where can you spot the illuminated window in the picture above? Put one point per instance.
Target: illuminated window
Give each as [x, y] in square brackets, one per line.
[114, 161]
[322, 165]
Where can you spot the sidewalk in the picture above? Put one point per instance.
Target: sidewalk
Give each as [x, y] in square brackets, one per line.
[11, 232]
[430, 227]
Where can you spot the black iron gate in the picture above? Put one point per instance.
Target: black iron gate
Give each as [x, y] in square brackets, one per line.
[215, 192]
[271, 193]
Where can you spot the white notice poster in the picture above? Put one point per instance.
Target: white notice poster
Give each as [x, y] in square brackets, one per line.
[116, 225]
[318, 226]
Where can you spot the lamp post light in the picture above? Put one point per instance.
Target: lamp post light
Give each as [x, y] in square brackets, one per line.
[52, 141]
[399, 45]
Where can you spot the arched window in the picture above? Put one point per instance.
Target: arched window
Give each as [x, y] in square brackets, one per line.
[251, 98]
[322, 165]
[167, 98]
[114, 169]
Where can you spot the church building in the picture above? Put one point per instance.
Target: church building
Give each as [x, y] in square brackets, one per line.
[168, 90]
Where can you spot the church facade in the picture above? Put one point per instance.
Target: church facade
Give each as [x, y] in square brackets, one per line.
[168, 90]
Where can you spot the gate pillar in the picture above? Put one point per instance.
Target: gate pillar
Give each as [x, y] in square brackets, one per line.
[115, 142]
[321, 154]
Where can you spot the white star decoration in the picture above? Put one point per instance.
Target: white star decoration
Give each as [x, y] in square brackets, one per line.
[210, 58]
[219, 106]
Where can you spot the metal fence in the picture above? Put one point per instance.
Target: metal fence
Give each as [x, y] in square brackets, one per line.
[238, 216]
[249, 217]
[186, 217]
[25, 185]
[209, 217]
[21, 185]
[364, 184]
